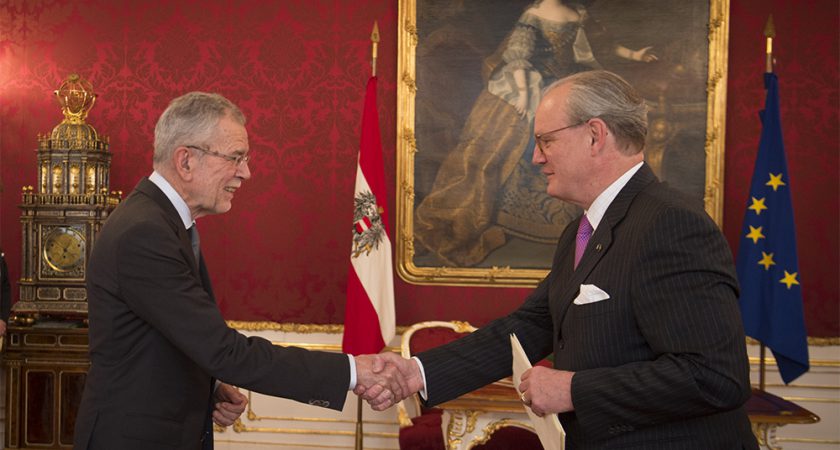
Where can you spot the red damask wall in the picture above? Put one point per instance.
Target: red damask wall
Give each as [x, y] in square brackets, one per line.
[297, 69]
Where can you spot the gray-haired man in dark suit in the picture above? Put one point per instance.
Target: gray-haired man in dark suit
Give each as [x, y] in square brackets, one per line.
[158, 343]
[640, 307]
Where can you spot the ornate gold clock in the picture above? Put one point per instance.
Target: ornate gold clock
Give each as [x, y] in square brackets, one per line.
[60, 221]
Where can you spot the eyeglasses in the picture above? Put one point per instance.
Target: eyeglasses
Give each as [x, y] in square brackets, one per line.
[542, 142]
[236, 159]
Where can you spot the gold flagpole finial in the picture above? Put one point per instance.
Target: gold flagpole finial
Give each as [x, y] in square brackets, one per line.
[769, 33]
[374, 39]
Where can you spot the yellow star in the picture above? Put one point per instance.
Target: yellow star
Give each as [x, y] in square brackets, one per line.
[757, 205]
[766, 261]
[789, 279]
[755, 234]
[775, 181]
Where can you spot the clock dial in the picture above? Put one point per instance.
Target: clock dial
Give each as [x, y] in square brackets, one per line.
[64, 249]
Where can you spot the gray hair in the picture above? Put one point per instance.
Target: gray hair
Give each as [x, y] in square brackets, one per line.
[191, 119]
[607, 96]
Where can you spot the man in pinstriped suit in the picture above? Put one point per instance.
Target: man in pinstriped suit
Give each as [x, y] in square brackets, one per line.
[643, 321]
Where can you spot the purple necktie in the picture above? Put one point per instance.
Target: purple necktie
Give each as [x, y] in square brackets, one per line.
[583, 234]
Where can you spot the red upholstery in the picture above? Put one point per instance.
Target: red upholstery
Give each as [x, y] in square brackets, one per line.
[509, 438]
[425, 433]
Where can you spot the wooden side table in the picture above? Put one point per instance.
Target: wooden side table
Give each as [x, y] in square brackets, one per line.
[768, 412]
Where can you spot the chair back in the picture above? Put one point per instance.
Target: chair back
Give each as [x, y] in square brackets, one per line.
[418, 338]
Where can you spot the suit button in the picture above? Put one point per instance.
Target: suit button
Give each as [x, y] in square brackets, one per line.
[560, 344]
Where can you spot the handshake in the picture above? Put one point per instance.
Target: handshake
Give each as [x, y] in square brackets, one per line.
[386, 378]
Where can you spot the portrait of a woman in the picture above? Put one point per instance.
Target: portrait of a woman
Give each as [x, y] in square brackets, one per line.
[486, 192]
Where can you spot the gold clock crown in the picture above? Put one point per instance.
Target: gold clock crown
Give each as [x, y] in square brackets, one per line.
[76, 97]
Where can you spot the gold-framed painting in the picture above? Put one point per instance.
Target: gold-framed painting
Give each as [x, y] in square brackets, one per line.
[471, 209]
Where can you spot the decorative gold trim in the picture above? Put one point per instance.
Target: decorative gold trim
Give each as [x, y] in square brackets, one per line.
[303, 328]
[811, 399]
[295, 445]
[318, 347]
[716, 107]
[255, 418]
[460, 424]
[810, 440]
[755, 360]
[812, 341]
[766, 435]
[493, 427]
[252, 416]
[244, 428]
[804, 386]
[331, 328]
[506, 276]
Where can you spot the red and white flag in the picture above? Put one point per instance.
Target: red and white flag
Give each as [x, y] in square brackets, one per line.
[369, 316]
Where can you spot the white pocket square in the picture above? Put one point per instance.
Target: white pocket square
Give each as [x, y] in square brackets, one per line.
[589, 293]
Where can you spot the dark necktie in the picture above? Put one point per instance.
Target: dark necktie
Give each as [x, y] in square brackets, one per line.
[196, 241]
[583, 235]
[207, 435]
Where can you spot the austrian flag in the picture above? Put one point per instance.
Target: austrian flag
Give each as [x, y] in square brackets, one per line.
[369, 316]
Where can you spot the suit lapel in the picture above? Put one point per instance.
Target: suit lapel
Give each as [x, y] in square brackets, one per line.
[152, 191]
[598, 245]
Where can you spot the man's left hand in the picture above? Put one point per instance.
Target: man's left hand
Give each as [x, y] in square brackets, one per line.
[547, 391]
[230, 404]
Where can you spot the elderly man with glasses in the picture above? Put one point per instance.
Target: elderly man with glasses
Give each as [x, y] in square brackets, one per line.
[161, 353]
[639, 309]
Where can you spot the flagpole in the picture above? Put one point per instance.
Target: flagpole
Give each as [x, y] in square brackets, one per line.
[359, 432]
[769, 34]
[374, 39]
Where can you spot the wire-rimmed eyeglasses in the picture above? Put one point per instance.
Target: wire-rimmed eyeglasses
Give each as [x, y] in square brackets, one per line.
[236, 159]
[542, 142]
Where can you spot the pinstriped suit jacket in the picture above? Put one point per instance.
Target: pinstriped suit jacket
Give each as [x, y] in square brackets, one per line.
[661, 364]
[157, 337]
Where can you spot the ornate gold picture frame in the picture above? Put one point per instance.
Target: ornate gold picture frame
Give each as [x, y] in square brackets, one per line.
[471, 210]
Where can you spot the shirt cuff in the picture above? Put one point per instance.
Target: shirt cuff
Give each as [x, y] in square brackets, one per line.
[352, 373]
[423, 391]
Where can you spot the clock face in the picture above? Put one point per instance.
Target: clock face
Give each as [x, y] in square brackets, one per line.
[64, 249]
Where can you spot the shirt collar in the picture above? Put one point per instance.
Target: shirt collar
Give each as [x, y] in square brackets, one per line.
[599, 207]
[173, 196]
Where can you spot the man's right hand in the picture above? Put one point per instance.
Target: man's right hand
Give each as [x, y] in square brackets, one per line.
[392, 366]
[379, 384]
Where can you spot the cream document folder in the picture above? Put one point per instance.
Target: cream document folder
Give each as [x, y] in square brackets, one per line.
[548, 428]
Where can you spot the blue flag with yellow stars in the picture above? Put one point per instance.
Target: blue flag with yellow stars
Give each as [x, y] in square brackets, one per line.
[768, 270]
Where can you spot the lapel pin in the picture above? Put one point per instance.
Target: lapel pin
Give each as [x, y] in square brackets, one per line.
[598, 247]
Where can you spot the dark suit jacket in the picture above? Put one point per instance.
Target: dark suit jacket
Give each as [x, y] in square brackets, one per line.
[157, 339]
[661, 364]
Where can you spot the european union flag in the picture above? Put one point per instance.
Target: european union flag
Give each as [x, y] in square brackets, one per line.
[771, 296]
